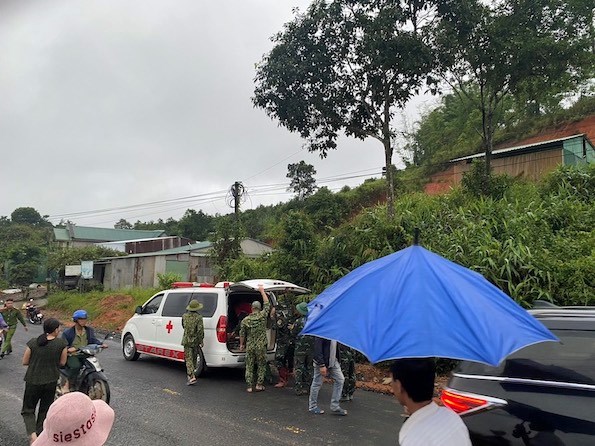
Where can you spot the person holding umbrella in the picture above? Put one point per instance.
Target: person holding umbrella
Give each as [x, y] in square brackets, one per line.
[428, 423]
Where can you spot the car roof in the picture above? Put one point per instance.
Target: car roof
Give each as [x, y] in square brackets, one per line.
[566, 318]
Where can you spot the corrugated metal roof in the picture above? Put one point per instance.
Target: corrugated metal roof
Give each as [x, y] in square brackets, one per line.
[104, 234]
[531, 147]
[172, 251]
[61, 235]
[141, 239]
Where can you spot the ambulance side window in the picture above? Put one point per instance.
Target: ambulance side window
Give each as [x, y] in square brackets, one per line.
[175, 305]
[153, 305]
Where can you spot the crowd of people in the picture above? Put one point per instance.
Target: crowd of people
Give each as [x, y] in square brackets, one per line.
[77, 420]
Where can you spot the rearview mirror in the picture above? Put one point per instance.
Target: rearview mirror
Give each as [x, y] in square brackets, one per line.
[138, 310]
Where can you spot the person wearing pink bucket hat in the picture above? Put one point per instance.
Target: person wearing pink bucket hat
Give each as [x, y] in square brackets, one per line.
[76, 420]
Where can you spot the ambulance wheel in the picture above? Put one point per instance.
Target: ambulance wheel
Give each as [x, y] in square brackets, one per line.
[129, 348]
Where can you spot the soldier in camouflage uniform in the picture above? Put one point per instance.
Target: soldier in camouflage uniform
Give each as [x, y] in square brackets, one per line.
[303, 356]
[348, 369]
[11, 317]
[253, 338]
[285, 347]
[194, 333]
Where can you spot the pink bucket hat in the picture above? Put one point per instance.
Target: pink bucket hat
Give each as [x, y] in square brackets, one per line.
[76, 420]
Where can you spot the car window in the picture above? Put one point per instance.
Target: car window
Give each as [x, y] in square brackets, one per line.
[153, 305]
[571, 360]
[176, 303]
[208, 301]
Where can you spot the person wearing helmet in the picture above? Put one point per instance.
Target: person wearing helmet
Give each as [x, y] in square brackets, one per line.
[77, 336]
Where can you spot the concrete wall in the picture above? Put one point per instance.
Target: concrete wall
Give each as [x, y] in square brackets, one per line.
[252, 248]
[129, 272]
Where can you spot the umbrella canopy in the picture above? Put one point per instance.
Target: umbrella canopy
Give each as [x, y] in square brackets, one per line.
[414, 304]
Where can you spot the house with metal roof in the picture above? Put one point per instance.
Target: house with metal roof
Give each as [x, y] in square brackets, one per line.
[530, 160]
[74, 236]
[144, 245]
[191, 262]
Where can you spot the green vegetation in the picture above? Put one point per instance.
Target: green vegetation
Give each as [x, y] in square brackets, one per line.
[167, 279]
[68, 302]
[534, 241]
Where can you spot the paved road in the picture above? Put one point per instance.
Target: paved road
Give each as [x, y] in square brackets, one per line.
[154, 407]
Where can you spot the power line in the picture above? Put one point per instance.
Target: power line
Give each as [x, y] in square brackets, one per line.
[169, 205]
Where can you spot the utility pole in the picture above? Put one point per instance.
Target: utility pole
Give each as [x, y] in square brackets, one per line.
[237, 191]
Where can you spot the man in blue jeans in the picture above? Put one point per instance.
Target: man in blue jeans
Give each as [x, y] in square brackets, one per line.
[326, 364]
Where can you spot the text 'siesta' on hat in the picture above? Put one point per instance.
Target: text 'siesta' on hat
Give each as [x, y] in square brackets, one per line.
[194, 305]
[76, 420]
[302, 308]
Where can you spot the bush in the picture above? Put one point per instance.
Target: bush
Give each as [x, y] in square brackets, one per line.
[478, 184]
[166, 280]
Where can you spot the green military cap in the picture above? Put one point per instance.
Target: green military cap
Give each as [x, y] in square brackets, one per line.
[194, 305]
[302, 308]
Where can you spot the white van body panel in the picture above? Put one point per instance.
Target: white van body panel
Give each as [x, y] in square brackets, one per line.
[160, 335]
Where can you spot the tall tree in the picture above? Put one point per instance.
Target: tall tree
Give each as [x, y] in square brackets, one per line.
[346, 66]
[196, 225]
[29, 216]
[123, 224]
[302, 179]
[509, 47]
[227, 245]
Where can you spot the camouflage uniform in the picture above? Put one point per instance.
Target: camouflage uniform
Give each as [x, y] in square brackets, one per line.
[303, 358]
[11, 317]
[348, 369]
[194, 333]
[254, 330]
[285, 346]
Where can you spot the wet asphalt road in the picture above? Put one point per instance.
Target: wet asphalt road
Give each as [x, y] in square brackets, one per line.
[154, 407]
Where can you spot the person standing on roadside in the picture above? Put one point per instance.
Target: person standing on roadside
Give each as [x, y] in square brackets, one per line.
[285, 347]
[11, 317]
[327, 360]
[253, 338]
[194, 334]
[348, 369]
[43, 356]
[428, 423]
[303, 353]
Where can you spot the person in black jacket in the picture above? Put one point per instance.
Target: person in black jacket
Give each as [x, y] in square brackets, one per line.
[326, 364]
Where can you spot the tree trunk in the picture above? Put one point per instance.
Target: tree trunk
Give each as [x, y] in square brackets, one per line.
[388, 153]
[487, 138]
[390, 192]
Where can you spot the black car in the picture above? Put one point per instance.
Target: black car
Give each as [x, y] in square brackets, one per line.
[542, 395]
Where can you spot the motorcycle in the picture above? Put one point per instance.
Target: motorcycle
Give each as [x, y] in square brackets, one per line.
[33, 314]
[90, 380]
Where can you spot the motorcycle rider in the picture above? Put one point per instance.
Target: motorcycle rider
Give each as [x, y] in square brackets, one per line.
[32, 312]
[77, 336]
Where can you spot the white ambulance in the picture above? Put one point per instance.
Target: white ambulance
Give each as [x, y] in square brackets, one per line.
[156, 327]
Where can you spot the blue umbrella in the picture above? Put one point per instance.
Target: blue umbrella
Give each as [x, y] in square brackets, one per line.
[415, 303]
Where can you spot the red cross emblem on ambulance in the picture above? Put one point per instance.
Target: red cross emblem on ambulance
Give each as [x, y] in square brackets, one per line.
[169, 327]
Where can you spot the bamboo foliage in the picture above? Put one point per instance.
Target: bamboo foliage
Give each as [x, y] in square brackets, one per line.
[533, 241]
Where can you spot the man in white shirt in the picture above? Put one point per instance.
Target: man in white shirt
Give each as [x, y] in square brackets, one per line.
[428, 423]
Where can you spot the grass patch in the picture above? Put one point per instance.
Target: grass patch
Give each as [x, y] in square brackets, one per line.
[99, 303]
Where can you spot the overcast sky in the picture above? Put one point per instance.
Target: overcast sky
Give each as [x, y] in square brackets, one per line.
[108, 104]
